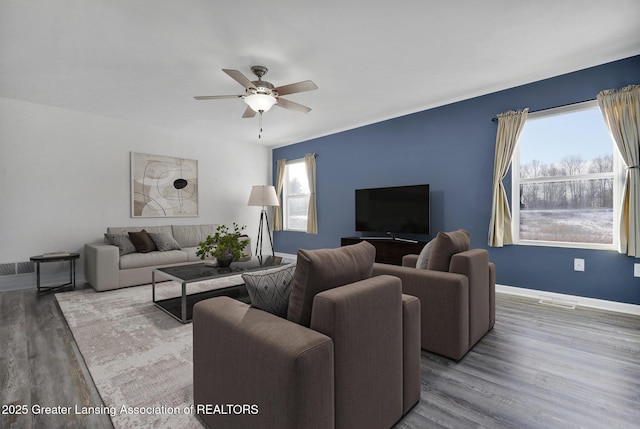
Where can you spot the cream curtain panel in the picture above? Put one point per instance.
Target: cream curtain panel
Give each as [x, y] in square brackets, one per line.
[277, 210]
[312, 216]
[621, 112]
[510, 126]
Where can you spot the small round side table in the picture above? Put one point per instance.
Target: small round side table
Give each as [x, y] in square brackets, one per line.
[56, 257]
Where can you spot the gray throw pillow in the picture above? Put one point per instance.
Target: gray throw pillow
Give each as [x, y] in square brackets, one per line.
[446, 245]
[269, 290]
[424, 255]
[125, 246]
[163, 241]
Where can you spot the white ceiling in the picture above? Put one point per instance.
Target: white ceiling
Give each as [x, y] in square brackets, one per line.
[144, 60]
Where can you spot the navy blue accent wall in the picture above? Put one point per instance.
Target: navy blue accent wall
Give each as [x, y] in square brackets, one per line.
[452, 148]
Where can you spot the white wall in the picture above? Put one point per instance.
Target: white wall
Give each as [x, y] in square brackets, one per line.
[65, 177]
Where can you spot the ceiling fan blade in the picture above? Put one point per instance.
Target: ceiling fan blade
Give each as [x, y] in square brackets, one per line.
[216, 97]
[249, 113]
[240, 78]
[292, 88]
[292, 106]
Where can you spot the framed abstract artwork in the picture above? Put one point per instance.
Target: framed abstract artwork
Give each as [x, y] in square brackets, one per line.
[163, 186]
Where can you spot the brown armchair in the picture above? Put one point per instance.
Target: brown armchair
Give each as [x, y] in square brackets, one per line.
[457, 306]
[348, 354]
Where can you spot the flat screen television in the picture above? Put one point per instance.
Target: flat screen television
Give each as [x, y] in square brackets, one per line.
[398, 209]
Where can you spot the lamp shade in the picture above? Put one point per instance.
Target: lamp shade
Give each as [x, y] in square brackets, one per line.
[263, 195]
[260, 102]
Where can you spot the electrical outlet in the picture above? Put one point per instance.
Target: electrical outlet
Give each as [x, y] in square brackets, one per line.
[578, 264]
[636, 270]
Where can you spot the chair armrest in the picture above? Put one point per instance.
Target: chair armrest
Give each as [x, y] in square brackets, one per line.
[411, 355]
[410, 260]
[474, 264]
[102, 266]
[430, 284]
[444, 306]
[243, 355]
[364, 319]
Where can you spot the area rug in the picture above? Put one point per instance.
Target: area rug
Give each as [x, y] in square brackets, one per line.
[139, 357]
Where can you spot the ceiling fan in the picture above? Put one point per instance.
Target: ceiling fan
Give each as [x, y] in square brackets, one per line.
[261, 95]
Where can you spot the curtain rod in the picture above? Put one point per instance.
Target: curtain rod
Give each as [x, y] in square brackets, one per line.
[495, 119]
[315, 155]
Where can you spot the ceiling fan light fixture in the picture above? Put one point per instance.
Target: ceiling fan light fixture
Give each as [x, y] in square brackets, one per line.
[260, 102]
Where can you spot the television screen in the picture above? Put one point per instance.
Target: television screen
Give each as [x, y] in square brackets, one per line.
[399, 209]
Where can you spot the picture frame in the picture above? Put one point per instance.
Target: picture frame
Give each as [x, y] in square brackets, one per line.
[163, 186]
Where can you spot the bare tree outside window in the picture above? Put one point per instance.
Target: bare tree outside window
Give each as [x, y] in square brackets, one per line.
[563, 180]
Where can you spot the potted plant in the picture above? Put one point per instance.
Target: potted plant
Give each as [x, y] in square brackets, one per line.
[226, 246]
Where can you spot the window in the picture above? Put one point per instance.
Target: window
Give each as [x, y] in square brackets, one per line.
[566, 179]
[295, 196]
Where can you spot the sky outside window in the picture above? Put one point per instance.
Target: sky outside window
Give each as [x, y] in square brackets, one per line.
[546, 139]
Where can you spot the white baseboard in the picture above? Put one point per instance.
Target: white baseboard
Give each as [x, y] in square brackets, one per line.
[560, 299]
[563, 299]
[287, 256]
[17, 282]
[27, 281]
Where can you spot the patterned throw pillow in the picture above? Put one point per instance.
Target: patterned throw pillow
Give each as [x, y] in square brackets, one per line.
[424, 255]
[125, 246]
[164, 241]
[269, 290]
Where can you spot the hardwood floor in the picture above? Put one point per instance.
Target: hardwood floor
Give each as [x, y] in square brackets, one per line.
[41, 366]
[540, 367]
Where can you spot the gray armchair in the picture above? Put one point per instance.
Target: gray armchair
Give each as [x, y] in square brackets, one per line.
[457, 305]
[348, 354]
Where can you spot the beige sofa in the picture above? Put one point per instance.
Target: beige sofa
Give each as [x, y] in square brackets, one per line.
[105, 269]
[346, 356]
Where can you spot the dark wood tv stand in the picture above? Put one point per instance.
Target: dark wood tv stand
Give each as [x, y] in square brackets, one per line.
[388, 251]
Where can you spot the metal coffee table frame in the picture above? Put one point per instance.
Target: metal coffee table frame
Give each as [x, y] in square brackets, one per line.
[181, 307]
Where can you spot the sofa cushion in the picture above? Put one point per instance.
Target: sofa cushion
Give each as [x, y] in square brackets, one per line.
[323, 269]
[137, 260]
[423, 257]
[192, 235]
[122, 241]
[142, 241]
[164, 241]
[269, 290]
[446, 245]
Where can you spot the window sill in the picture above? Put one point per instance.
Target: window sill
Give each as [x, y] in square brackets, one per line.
[566, 245]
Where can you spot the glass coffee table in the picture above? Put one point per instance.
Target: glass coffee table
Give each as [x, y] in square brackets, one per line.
[181, 307]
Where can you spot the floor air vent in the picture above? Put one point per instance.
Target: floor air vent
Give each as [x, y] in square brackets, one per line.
[24, 267]
[555, 302]
[14, 268]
